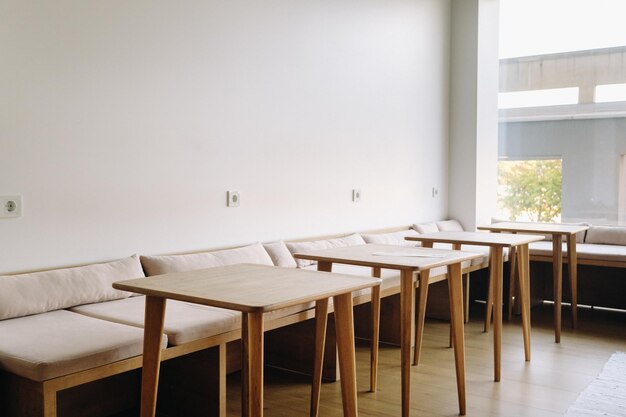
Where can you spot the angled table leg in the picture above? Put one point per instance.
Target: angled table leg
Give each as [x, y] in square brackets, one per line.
[153, 334]
[573, 279]
[321, 320]
[557, 277]
[375, 331]
[421, 314]
[344, 322]
[512, 280]
[407, 296]
[455, 287]
[496, 272]
[252, 341]
[524, 293]
[489, 305]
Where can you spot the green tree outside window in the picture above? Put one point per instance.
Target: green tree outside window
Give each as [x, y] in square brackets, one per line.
[530, 190]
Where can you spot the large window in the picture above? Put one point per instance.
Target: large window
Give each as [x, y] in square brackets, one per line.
[562, 131]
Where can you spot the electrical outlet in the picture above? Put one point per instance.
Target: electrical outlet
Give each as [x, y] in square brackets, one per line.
[233, 198]
[356, 195]
[10, 206]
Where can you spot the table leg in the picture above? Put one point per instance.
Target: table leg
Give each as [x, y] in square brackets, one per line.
[496, 276]
[455, 287]
[321, 320]
[375, 331]
[573, 279]
[557, 279]
[153, 336]
[344, 322]
[421, 314]
[524, 293]
[512, 280]
[407, 295]
[252, 381]
[489, 305]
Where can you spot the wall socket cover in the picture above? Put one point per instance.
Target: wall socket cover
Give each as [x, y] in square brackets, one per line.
[10, 206]
[356, 195]
[233, 198]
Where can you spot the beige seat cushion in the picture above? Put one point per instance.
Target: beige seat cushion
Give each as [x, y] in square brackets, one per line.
[49, 345]
[583, 251]
[165, 264]
[297, 247]
[184, 322]
[39, 292]
[392, 238]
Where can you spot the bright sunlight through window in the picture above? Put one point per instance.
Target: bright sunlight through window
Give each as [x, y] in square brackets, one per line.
[610, 92]
[538, 98]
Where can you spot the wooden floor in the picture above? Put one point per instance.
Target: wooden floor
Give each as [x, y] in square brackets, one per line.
[546, 386]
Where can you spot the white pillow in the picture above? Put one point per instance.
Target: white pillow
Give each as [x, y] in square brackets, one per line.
[296, 247]
[40, 292]
[392, 238]
[449, 226]
[165, 264]
[280, 254]
[429, 227]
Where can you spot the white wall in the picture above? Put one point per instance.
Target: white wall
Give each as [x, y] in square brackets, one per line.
[123, 124]
[473, 111]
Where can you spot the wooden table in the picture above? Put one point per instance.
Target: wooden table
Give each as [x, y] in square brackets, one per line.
[496, 244]
[557, 231]
[409, 260]
[253, 290]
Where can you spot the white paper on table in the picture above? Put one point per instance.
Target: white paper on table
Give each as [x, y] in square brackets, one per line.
[410, 254]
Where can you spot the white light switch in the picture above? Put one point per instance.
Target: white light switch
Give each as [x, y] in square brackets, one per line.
[233, 198]
[356, 195]
[10, 206]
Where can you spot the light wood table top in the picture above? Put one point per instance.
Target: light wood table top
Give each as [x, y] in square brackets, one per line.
[477, 238]
[389, 256]
[547, 228]
[247, 287]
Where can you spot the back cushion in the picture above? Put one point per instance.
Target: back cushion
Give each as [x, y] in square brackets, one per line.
[449, 226]
[606, 235]
[393, 238]
[251, 254]
[280, 254]
[40, 292]
[296, 247]
[426, 227]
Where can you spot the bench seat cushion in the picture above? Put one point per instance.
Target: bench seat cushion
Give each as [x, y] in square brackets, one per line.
[184, 322]
[57, 343]
[584, 251]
